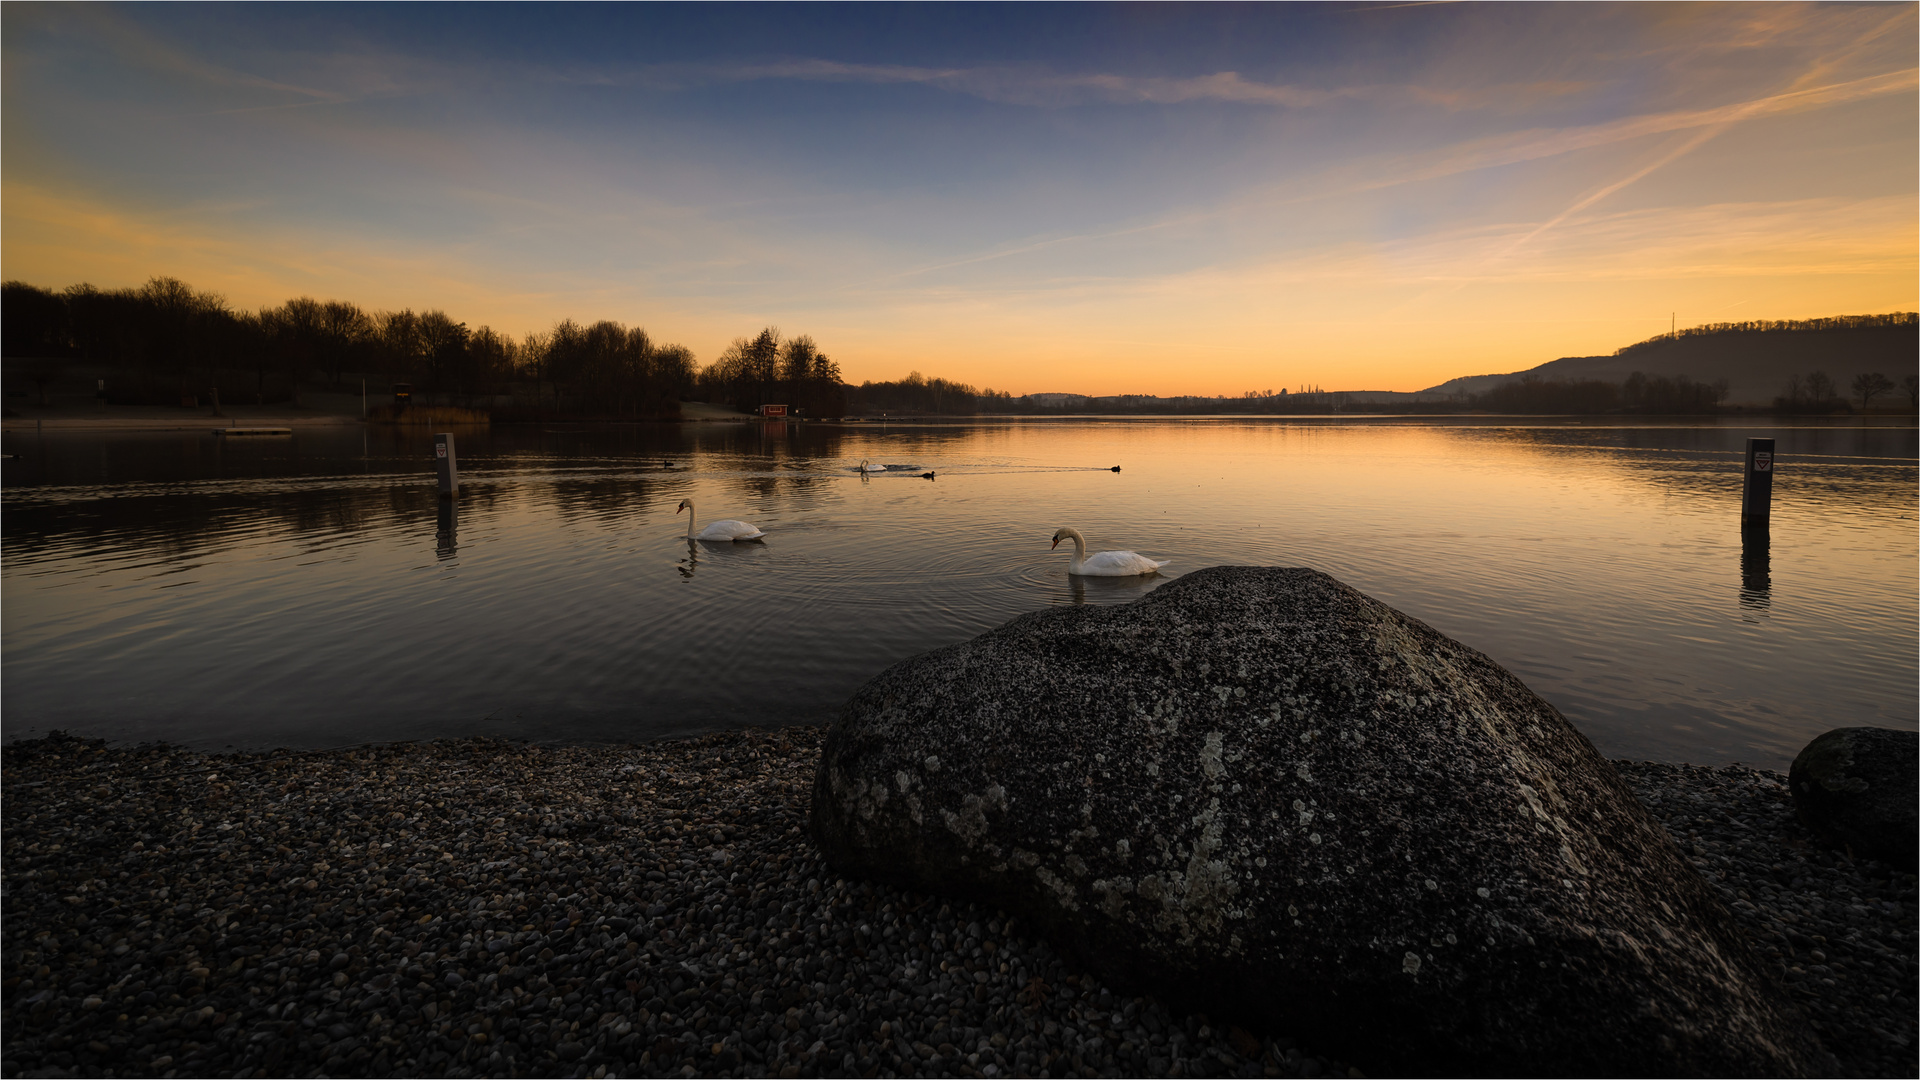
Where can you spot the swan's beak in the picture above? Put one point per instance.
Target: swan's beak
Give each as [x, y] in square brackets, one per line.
[1055, 544]
[676, 513]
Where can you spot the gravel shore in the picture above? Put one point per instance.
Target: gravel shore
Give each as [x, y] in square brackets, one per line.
[482, 907]
[1839, 933]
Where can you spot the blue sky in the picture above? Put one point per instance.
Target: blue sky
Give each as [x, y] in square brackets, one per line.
[1099, 198]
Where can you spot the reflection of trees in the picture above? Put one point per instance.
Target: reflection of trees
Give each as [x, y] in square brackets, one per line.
[175, 524]
[1683, 461]
[602, 496]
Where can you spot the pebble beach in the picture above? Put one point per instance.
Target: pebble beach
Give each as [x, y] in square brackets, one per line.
[484, 907]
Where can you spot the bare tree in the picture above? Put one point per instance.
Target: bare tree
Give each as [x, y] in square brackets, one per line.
[1870, 385]
[1820, 387]
[1911, 384]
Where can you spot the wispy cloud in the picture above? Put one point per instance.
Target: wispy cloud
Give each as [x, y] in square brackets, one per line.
[1005, 85]
[1698, 126]
[1534, 144]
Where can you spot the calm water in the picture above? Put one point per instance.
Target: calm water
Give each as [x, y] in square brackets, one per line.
[311, 592]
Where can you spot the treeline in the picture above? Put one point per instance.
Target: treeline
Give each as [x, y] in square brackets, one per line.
[172, 333]
[767, 369]
[1817, 393]
[1779, 326]
[1640, 393]
[607, 370]
[919, 394]
[1679, 395]
[174, 341]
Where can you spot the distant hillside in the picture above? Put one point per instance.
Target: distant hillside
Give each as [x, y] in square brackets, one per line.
[1755, 358]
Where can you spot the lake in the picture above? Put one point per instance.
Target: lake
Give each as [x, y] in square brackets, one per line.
[313, 591]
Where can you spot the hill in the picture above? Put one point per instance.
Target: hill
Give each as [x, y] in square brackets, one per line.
[1756, 359]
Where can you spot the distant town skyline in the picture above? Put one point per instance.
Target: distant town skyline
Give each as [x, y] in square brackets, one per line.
[1091, 199]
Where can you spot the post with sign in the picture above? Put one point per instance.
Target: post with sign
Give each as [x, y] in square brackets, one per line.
[1756, 500]
[444, 463]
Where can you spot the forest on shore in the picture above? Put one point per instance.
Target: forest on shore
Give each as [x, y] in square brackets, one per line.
[168, 343]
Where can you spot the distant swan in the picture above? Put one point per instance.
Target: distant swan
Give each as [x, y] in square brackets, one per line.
[866, 466]
[1104, 563]
[719, 530]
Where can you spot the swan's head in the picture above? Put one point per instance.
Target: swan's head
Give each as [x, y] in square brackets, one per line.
[685, 504]
[1063, 534]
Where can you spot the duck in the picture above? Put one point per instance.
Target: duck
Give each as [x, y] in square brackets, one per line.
[719, 530]
[1105, 563]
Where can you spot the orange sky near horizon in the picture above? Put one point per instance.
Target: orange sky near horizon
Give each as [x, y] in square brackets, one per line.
[1434, 207]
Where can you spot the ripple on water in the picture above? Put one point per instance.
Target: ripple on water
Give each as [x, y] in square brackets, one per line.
[318, 593]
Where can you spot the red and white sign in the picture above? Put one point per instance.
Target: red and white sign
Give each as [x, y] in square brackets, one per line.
[1762, 461]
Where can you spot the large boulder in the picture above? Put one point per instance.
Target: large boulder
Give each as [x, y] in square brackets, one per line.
[1261, 794]
[1859, 788]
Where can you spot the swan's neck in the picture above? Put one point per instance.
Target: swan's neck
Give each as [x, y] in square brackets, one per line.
[1079, 548]
[689, 520]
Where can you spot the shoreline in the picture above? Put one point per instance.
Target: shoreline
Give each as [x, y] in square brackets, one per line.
[202, 424]
[485, 907]
[241, 415]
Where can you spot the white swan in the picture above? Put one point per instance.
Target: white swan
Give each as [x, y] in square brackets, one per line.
[866, 466]
[1104, 563]
[719, 530]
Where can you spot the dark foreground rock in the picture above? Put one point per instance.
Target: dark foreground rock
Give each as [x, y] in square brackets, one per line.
[1859, 789]
[1267, 796]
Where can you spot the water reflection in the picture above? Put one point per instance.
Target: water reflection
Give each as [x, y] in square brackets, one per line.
[214, 584]
[1756, 567]
[1111, 590]
[446, 530]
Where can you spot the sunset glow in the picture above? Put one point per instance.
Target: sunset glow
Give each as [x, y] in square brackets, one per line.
[1093, 199]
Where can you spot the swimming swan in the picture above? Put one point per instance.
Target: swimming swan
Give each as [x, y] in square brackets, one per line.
[866, 466]
[1104, 563]
[719, 530]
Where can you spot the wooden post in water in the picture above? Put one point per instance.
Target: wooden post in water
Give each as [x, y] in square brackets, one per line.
[443, 461]
[1756, 499]
[446, 535]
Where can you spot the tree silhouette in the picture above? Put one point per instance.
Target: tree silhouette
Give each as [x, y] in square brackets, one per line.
[1870, 385]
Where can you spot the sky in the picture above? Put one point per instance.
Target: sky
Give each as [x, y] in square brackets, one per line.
[1145, 199]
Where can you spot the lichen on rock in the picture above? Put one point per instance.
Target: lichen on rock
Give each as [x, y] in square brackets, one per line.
[1260, 793]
